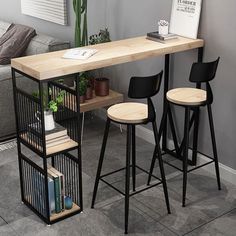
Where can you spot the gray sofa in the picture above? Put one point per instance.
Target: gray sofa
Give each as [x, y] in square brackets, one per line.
[39, 44]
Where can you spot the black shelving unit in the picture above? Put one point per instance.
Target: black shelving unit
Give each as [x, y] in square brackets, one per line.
[66, 158]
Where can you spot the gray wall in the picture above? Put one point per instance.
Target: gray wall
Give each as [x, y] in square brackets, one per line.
[11, 11]
[136, 17]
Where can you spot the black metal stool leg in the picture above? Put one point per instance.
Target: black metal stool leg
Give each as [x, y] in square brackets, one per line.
[214, 145]
[163, 177]
[195, 135]
[100, 161]
[164, 117]
[185, 156]
[133, 157]
[127, 176]
[172, 127]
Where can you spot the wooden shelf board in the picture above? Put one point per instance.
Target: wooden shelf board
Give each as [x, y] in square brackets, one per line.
[58, 148]
[96, 102]
[65, 212]
[99, 102]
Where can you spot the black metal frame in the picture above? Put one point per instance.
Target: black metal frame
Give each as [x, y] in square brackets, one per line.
[34, 178]
[194, 119]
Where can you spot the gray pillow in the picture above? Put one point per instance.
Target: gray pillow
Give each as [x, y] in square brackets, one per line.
[14, 42]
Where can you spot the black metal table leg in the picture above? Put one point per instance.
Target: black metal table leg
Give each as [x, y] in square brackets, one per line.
[166, 87]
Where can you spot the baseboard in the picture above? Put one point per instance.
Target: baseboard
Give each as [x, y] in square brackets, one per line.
[226, 173]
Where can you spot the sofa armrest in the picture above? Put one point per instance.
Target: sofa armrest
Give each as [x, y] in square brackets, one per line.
[43, 44]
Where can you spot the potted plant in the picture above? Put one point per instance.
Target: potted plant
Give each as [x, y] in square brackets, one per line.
[89, 90]
[101, 83]
[82, 89]
[49, 108]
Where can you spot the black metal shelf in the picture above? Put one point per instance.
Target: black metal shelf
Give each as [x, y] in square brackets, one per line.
[34, 176]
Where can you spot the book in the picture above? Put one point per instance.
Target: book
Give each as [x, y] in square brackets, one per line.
[79, 53]
[57, 191]
[38, 191]
[156, 35]
[62, 186]
[58, 131]
[159, 40]
[56, 142]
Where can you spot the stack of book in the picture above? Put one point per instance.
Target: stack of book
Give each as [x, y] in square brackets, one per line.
[53, 137]
[155, 36]
[56, 190]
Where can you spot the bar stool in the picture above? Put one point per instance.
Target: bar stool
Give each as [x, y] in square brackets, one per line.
[193, 99]
[132, 114]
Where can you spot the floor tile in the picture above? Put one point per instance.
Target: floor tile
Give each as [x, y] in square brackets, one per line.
[222, 226]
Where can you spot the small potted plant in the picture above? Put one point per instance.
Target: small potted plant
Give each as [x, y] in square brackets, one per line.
[101, 84]
[49, 107]
[82, 89]
[89, 90]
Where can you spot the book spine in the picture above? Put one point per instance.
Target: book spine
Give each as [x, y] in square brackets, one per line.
[57, 195]
[63, 192]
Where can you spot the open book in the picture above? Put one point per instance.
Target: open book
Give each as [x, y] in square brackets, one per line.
[79, 54]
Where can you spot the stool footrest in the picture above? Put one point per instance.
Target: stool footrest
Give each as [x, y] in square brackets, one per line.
[172, 152]
[137, 191]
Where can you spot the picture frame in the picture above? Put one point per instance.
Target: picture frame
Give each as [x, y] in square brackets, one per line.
[185, 17]
[54, 11]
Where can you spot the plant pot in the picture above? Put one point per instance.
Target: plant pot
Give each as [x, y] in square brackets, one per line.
[89, 93]
[101, 86]
[49, 122]
[92, 83]
[82, 99]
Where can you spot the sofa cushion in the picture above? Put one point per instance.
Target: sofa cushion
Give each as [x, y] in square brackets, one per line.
[4, 26]
[5, 72]
[43, 43]
[14, 42]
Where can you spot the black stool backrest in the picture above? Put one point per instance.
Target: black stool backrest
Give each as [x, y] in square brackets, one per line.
[146, 87]
[203, 73]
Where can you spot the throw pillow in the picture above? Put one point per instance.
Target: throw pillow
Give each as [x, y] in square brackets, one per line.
[14, 42]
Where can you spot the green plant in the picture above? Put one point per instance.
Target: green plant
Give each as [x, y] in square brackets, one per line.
[82, 86]
[53, 104]
[102, 37]
[81, 29]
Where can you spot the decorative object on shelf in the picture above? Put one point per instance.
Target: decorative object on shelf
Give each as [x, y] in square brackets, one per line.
[185, 17]
[89, 91]
[101, 86]
[102, 37]
[49, 107]
[68, 203]
[54, 11]
[48, 119]
[163, 27]
[81, 31]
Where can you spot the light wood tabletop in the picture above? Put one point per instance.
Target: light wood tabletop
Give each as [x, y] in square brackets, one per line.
[50, 65]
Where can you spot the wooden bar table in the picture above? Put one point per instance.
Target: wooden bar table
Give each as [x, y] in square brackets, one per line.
[45, 68]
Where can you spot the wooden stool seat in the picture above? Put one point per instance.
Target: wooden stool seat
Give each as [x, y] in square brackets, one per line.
[187, 96]
[128, 113]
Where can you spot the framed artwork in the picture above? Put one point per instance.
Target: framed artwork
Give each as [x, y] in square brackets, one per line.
[54, 11]
[185, 17]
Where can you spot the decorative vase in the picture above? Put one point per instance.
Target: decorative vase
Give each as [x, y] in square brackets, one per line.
[82, 99]
[101, 86]
[68, 203]
[89, 93]
[163, 29]
[49, 122]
